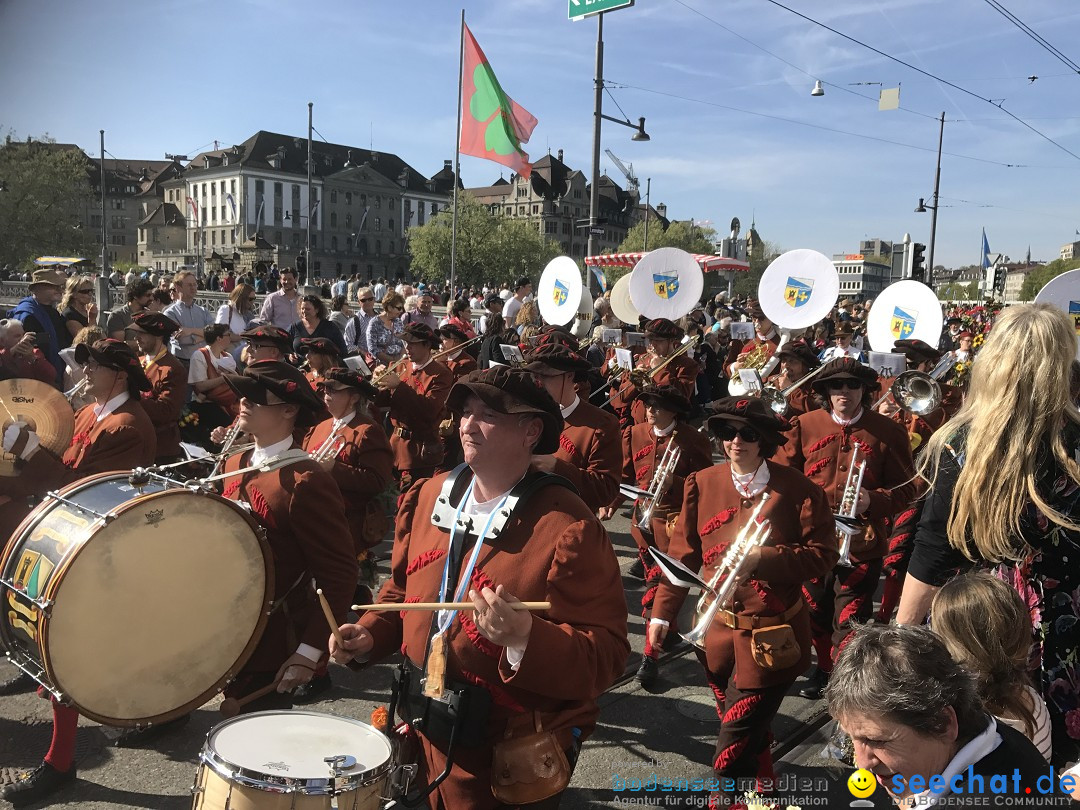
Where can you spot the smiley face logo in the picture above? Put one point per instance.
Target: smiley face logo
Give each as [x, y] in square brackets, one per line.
[862, 783]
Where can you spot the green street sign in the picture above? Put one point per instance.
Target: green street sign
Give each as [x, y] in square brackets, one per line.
[580, 9]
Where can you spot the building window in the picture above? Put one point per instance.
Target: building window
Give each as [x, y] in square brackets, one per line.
[420, 214]
[296, 217]
[259, 187]
[348, 220]
[277, 238]
[390, 247]
[378, 224]
[348, 198]
[213, 237]
[362, 245]
[277, 215]
[333, 195]
[333, 243]
[363, 200]
[333, 217]
[434, 209]
[296, 191]
[390, 225]
[378, 248]
[378, 201]
[232, 186]
[296, 240]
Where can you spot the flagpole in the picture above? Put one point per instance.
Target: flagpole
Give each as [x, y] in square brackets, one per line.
[457, 157]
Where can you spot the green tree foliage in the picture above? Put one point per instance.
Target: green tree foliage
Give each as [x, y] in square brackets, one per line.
[1038, 278]
[491, 248]
[699, 239]
[747, 283]
[40, 211]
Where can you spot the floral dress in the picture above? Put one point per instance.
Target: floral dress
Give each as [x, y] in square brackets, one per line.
[1047, 577]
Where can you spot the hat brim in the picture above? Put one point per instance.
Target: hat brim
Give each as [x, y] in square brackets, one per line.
[136, 376]
[668, 404]
[250, 389]
[503, 402]
[769, 434]
[363, 388]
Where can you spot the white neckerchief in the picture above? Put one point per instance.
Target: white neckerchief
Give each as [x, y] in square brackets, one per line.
[658, 433]
[768, 335]
[422, 366]
[340, 423]
[261, 454]
[983, 744]
[750, 484]
[846, 422]
[569, 409]
[101, 411]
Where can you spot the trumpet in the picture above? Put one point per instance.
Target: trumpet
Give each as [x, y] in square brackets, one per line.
[641, 377]
[77, 389]
[847, 525]
[754, 534]
[777, 399]
[661, 477]
[330, 446]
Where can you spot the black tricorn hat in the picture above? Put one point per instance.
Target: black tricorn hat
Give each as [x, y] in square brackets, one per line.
[667, 397]
[750, 411]
[118, 356]
[344, 377]
[268, 333]
[154, 323]
[273, 382]
[556, 356]
[845, 368]
[512, 391]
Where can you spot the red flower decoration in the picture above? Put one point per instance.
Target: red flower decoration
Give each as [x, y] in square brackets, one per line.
[290, 386]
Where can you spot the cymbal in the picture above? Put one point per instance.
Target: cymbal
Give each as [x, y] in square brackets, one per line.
[44, 409]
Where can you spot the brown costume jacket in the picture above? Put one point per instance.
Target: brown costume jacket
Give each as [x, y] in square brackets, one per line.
[552, 549]
[802, 546]
[821, 449]
[165, 400]
[682, 372]
[417, 406]
[461, 365]
[589, 454]
[363, 467]
[301, 509]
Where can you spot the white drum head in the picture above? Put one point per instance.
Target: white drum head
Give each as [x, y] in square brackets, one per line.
[559, 291]
[157, 607]
[666, 283]
[583, 318]
[906, 310]
[798, 289]
[295, 744]
[621, 304]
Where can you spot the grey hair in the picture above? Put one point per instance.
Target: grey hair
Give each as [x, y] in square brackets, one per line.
[906, 674]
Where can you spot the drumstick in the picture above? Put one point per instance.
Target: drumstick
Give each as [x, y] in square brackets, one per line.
[447, 606]
[9, 413]
[230, 707]
[330, 618]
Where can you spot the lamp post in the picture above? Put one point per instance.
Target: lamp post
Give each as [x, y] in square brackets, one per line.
[104, 224]
[922, 207]
[307, 250]
[648, 210]
[598, 115]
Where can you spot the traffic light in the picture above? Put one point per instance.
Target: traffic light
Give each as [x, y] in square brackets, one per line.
[918, 262]
[999, 278]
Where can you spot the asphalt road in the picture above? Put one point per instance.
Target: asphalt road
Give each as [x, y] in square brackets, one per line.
[669, 733]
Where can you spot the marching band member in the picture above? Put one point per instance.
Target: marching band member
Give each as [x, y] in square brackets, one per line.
[754, 353]
[644, 447]
[797, 360]
[321, 355]
[821, 446]
[300, 506]
[417, 404]
[755, 647]
[265, 342]
[113, 434]
[843, 348]
[589, 453]
[168, 393]
[663, 338]
[530, 679]
[459, 362]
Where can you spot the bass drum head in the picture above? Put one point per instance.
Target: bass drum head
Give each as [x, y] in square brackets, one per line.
[798, 288]
[294, 745]
[158, 608]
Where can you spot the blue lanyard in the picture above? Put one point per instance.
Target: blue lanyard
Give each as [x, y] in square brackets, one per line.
[462, 588]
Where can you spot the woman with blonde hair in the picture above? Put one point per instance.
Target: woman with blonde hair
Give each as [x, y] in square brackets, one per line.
[1005, 493]
[238, 313]
[77, 307]
[987, 629]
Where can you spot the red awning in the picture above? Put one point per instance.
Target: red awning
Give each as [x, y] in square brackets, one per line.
[706, 262]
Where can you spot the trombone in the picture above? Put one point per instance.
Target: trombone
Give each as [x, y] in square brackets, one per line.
[650, 374]
[444, 352]
[916, 391]
[777, 399]
[755, 533]
[393, 368]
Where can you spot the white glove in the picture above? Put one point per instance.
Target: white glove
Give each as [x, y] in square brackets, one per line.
[12, 436]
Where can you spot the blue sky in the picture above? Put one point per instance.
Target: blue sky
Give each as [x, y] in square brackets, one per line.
[167, 76]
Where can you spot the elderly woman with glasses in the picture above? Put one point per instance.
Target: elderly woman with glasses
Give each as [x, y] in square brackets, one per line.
[919, 727]
[863, 462]
[77, 307]
[758, 643]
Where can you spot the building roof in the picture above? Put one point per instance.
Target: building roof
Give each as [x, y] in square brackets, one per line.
[274, 151]
[164, 215]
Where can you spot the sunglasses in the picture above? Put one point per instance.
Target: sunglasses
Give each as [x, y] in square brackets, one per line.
[728, 433]
[366, 300]
[840, 385]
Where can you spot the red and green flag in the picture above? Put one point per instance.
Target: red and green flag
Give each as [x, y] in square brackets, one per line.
[493, 125]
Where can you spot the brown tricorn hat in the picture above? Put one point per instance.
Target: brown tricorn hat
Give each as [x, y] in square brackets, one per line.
[512, 391]
[273, 382]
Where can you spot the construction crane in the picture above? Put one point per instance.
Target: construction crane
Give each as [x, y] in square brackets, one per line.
[628, 171]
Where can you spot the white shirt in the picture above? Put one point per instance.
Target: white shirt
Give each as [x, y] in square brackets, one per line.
[198, 372]
[835, 353]
[660, 433]
[228, 314]
[510, 310]
[569, 409]
[422, 366]
[101, 411]
[340, 423]
[846, 422]
[750, 484]
[971, 753]
[261, 454]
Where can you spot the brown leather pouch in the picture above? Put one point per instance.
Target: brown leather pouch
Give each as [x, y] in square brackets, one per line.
[775, 647]
[527, 764]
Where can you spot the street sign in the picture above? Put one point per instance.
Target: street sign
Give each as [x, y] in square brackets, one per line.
[596, 231]
[580, 9]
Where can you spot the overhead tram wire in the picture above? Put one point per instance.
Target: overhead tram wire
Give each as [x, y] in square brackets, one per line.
[1033, 35]
[926, 73]
[792, 65]
[828, 129]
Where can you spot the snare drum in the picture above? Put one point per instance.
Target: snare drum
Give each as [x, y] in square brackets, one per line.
[292, 760]
[134, 604]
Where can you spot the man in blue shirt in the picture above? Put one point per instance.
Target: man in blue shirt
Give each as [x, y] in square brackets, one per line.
[192, 318]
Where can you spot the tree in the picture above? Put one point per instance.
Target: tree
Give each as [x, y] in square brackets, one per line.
[40, 211]
[699, 239]
[762, 255]
[491, 248]
[1038, 278]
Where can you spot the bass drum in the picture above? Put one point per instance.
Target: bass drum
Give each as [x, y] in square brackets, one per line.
[134, 604]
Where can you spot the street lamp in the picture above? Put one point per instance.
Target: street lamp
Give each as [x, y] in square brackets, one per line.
[922, 208]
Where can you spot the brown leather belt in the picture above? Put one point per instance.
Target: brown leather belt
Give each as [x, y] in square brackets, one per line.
[736, 622]
[405, 433]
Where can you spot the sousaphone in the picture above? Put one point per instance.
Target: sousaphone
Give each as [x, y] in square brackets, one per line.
[1063, 292]
[666, 283]
[906, 310]
[559, 291]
